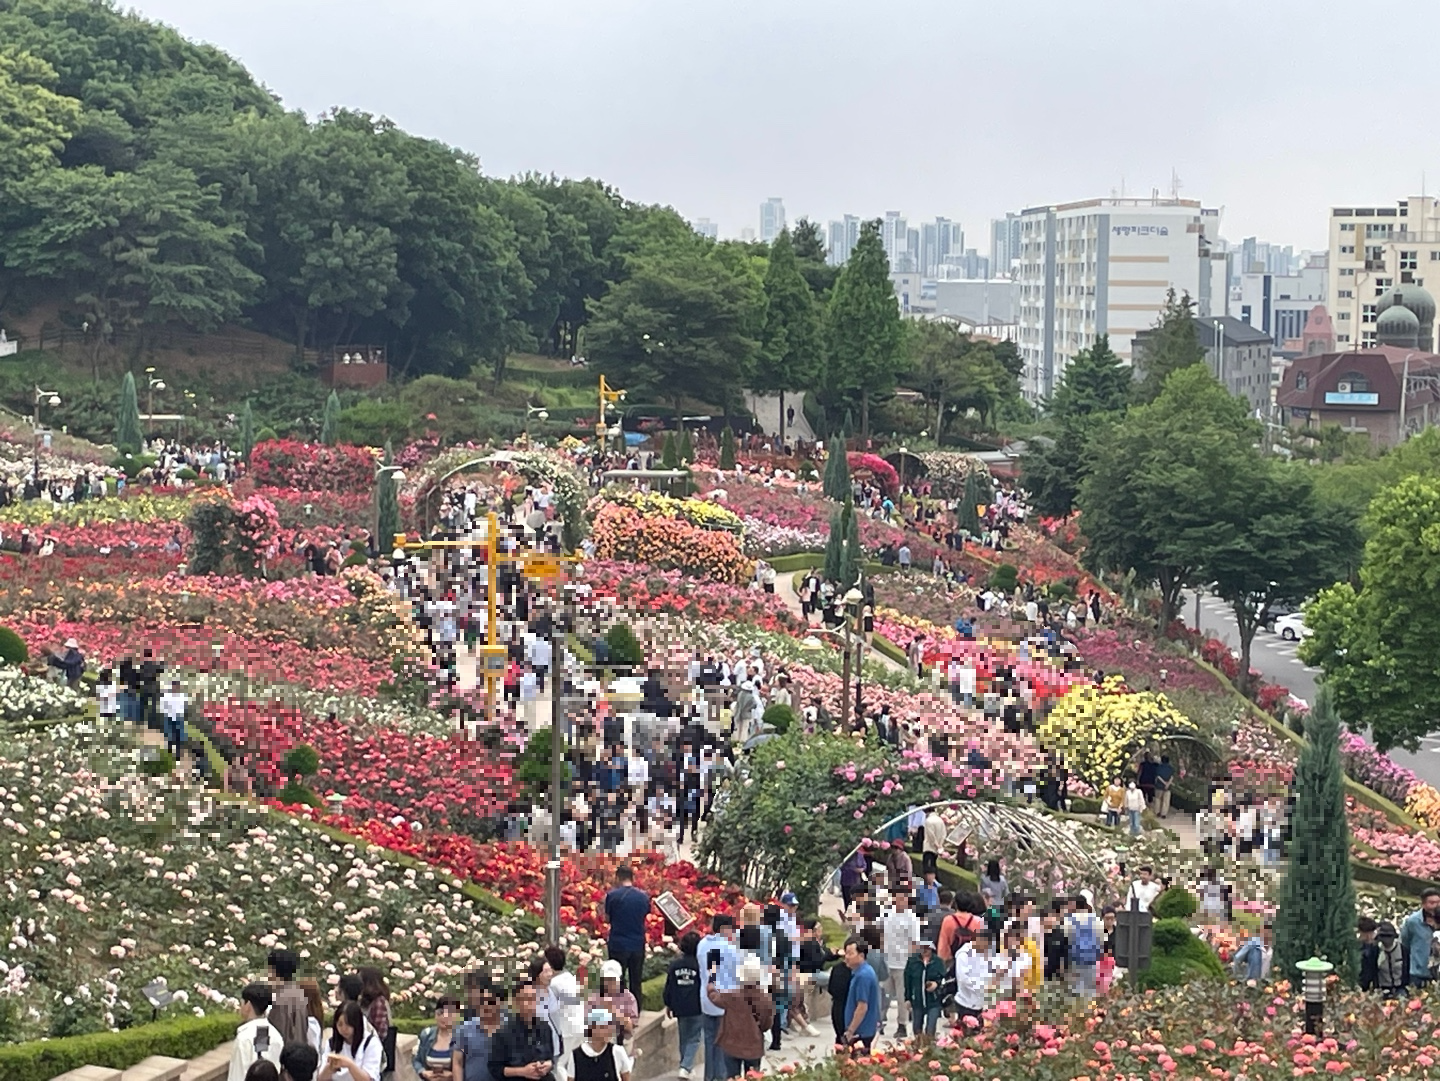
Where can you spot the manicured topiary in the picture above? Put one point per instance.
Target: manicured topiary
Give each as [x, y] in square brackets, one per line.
[302, 760]
[779, 717]
[1175, 903]
[1177, 957]
[625, 649]
[1004, 578]
[13, 649]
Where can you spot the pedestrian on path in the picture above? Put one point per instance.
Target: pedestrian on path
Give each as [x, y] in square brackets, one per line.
[682, 1000]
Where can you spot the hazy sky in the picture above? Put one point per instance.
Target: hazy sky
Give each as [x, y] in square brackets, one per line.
[1273, 110]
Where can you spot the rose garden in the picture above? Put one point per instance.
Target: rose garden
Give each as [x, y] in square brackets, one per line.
[124, 866]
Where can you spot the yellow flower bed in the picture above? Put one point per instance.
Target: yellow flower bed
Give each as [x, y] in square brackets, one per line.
[138, 508]
[695, 511]
[1100, 729]
[1423, 803]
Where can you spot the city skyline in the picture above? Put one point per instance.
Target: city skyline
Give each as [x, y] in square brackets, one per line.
[1177, 92]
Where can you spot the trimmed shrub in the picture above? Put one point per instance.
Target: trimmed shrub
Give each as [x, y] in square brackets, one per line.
[295, 792]
[625, 648]
[779, 717]
[13, 649]
[160, 763]
[302, 760]
[185, 1038]
[1178, 957]
[1004, 578]
[1176, 903]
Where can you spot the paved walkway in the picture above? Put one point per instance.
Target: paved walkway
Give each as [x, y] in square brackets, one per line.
[766, 409]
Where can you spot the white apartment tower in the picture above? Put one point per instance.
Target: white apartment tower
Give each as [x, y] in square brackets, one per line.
[772, 219]
[843, 236]
[1104, 266]
[1372, 250]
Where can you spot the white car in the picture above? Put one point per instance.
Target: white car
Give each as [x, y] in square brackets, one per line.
[1292, 627]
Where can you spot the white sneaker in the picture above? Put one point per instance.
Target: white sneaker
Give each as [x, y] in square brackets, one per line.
[810, 1030]
[684, 1074]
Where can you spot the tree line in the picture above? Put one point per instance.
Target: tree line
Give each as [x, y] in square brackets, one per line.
[146, 180]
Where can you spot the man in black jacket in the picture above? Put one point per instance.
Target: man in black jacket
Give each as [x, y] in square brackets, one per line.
[525, 1047]
[682, 1000]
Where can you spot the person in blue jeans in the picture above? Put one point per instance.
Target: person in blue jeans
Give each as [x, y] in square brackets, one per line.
[626, 907]
[716, 952]
[862, 1003]
[682, 1000]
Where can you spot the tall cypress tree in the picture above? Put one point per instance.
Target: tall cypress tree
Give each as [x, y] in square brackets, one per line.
[837, 471]
[687, 447]
[835, 547]
[669, 455]
[970, 500]
[727, 448]
[1172, 345]
[387, 504]
[1316, 915]
[853, 558]
[127, 421]
[247, 431]
[330, 420]
[864, 337]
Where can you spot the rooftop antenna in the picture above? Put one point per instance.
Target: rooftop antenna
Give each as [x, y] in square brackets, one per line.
[1175, 184]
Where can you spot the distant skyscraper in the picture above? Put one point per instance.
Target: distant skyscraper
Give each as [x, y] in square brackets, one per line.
[706, 227]
[843, 236]
[1004, 244]
[895, 236]
[772, 219]
[747, 235]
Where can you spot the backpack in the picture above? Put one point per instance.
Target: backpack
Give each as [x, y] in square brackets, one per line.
[1085, 945]
[964, 924]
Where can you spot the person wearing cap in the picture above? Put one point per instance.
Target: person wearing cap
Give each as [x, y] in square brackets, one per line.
[748, 1015]
[599, 1058]
[924, 973]
[69, 665]
[622, 1004]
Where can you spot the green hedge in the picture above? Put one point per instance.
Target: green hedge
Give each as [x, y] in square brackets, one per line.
[185, 1038]
[887, 648]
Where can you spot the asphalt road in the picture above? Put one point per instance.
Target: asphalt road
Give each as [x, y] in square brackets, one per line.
[1277, 660]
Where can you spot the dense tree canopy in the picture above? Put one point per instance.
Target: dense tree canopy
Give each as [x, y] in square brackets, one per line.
[1172, 345]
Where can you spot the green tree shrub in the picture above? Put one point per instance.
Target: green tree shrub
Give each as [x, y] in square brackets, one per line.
[1176, 903]
[1004, 577]
[625, 648]
[779, 717]
[301, 760]
[13, 649]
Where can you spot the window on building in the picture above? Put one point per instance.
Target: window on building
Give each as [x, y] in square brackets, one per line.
[1375, 254]
[1343, 316]
[1358, 384]
[1302, 380]
[1367, 313]
[1347, 272]
[1347, 249]
[1342, 337]
[1368, 340]
[1408, 260]
[1381, 284]
[1379, 229]
[1347, 226]
[1345, 293]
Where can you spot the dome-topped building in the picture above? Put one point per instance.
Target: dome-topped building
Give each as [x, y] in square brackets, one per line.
[1419, 303]
[1398, 326]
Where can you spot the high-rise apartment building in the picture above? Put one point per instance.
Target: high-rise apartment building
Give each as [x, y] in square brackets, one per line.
[942, 241]
[1004, 244]
[705, 227]
[842, 237]
[772, 219]
[1372, 250]
[1104, 267]
[1280, 304]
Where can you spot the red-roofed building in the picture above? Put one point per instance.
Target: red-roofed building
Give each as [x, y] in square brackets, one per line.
[1363, 391]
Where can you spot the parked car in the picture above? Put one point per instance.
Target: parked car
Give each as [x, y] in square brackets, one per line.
[1292, 627]
[1280, 608]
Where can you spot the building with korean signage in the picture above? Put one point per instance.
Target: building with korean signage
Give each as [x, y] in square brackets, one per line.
[1364, 391]
[1104, 267]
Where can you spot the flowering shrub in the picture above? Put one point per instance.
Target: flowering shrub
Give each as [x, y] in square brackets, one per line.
[27, 698]
[879, 469]
[1375, 770]
[620, 533]
[1099, 729]
[653, 505]
[314, 467]
[1141, 663]
[768, 541]
[1405, 851]
[1423, 802]
[644, 589]
[132, 507]
[115, 879]
[257, 533]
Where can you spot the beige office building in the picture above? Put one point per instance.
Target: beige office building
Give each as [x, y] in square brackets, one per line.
[1372, 250]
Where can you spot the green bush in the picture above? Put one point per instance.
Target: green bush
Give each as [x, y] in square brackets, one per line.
[13, 649]
[266, 435]
[186, 473]
[1176, 903]
[1004, 578]
[159, 763]
[625, 648]
[779, 717]
[184, 1038]
[1170, 934]
[132, 464]
[295, 792]
[1177, 957]
[302, 760]
[532, 765]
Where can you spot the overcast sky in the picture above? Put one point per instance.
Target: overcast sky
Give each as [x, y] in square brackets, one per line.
[1273, 110]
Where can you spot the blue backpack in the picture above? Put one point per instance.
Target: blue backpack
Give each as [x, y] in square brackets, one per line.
[1084, 946]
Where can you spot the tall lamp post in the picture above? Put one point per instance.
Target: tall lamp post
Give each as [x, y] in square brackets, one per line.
[52, 399]
[852, 599]
[154, 383]
[559, 628]
[608, 397]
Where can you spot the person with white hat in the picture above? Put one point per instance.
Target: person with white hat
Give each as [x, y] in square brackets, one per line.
[623, 1007]
[599, 1058]
[749, 1014]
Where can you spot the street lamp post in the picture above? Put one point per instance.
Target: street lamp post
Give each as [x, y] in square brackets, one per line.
[608, 397]
[398, 477]
[558, 629]
[851, 599]
[154, 383]
[51, 398]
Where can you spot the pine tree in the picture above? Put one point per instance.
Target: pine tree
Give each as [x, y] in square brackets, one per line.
[1172, 345]
[669, 455]
[127, 422]
[387, 503]
[727, 448]
[687, 446]
[837, 471]
[854, 558]
[247, 431]
[1316, 916]
[864, 337]
[834, 565]
[330, 420]
[970, 500]
[790, 342]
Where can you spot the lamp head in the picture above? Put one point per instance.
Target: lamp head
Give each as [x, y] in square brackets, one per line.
[399, 475]
[54, 399]
[853, 596]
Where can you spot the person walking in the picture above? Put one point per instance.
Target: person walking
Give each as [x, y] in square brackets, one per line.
[862, 998]
[1134, 806]
[256, 1039]
[924, 973]
[901, 928]
[290, 1011]
[748, 1014]
[718, 961]
[1143, 890]
[598, 1057]
[682, 1001]
[626, 908]
[1417, 933]
[933, 844]
[973, 969]
[470, 1052]
[1113, 803]
[1085, 937]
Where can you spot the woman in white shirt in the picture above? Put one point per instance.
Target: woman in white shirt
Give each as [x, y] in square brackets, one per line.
[107, 695]
[343, 1060]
